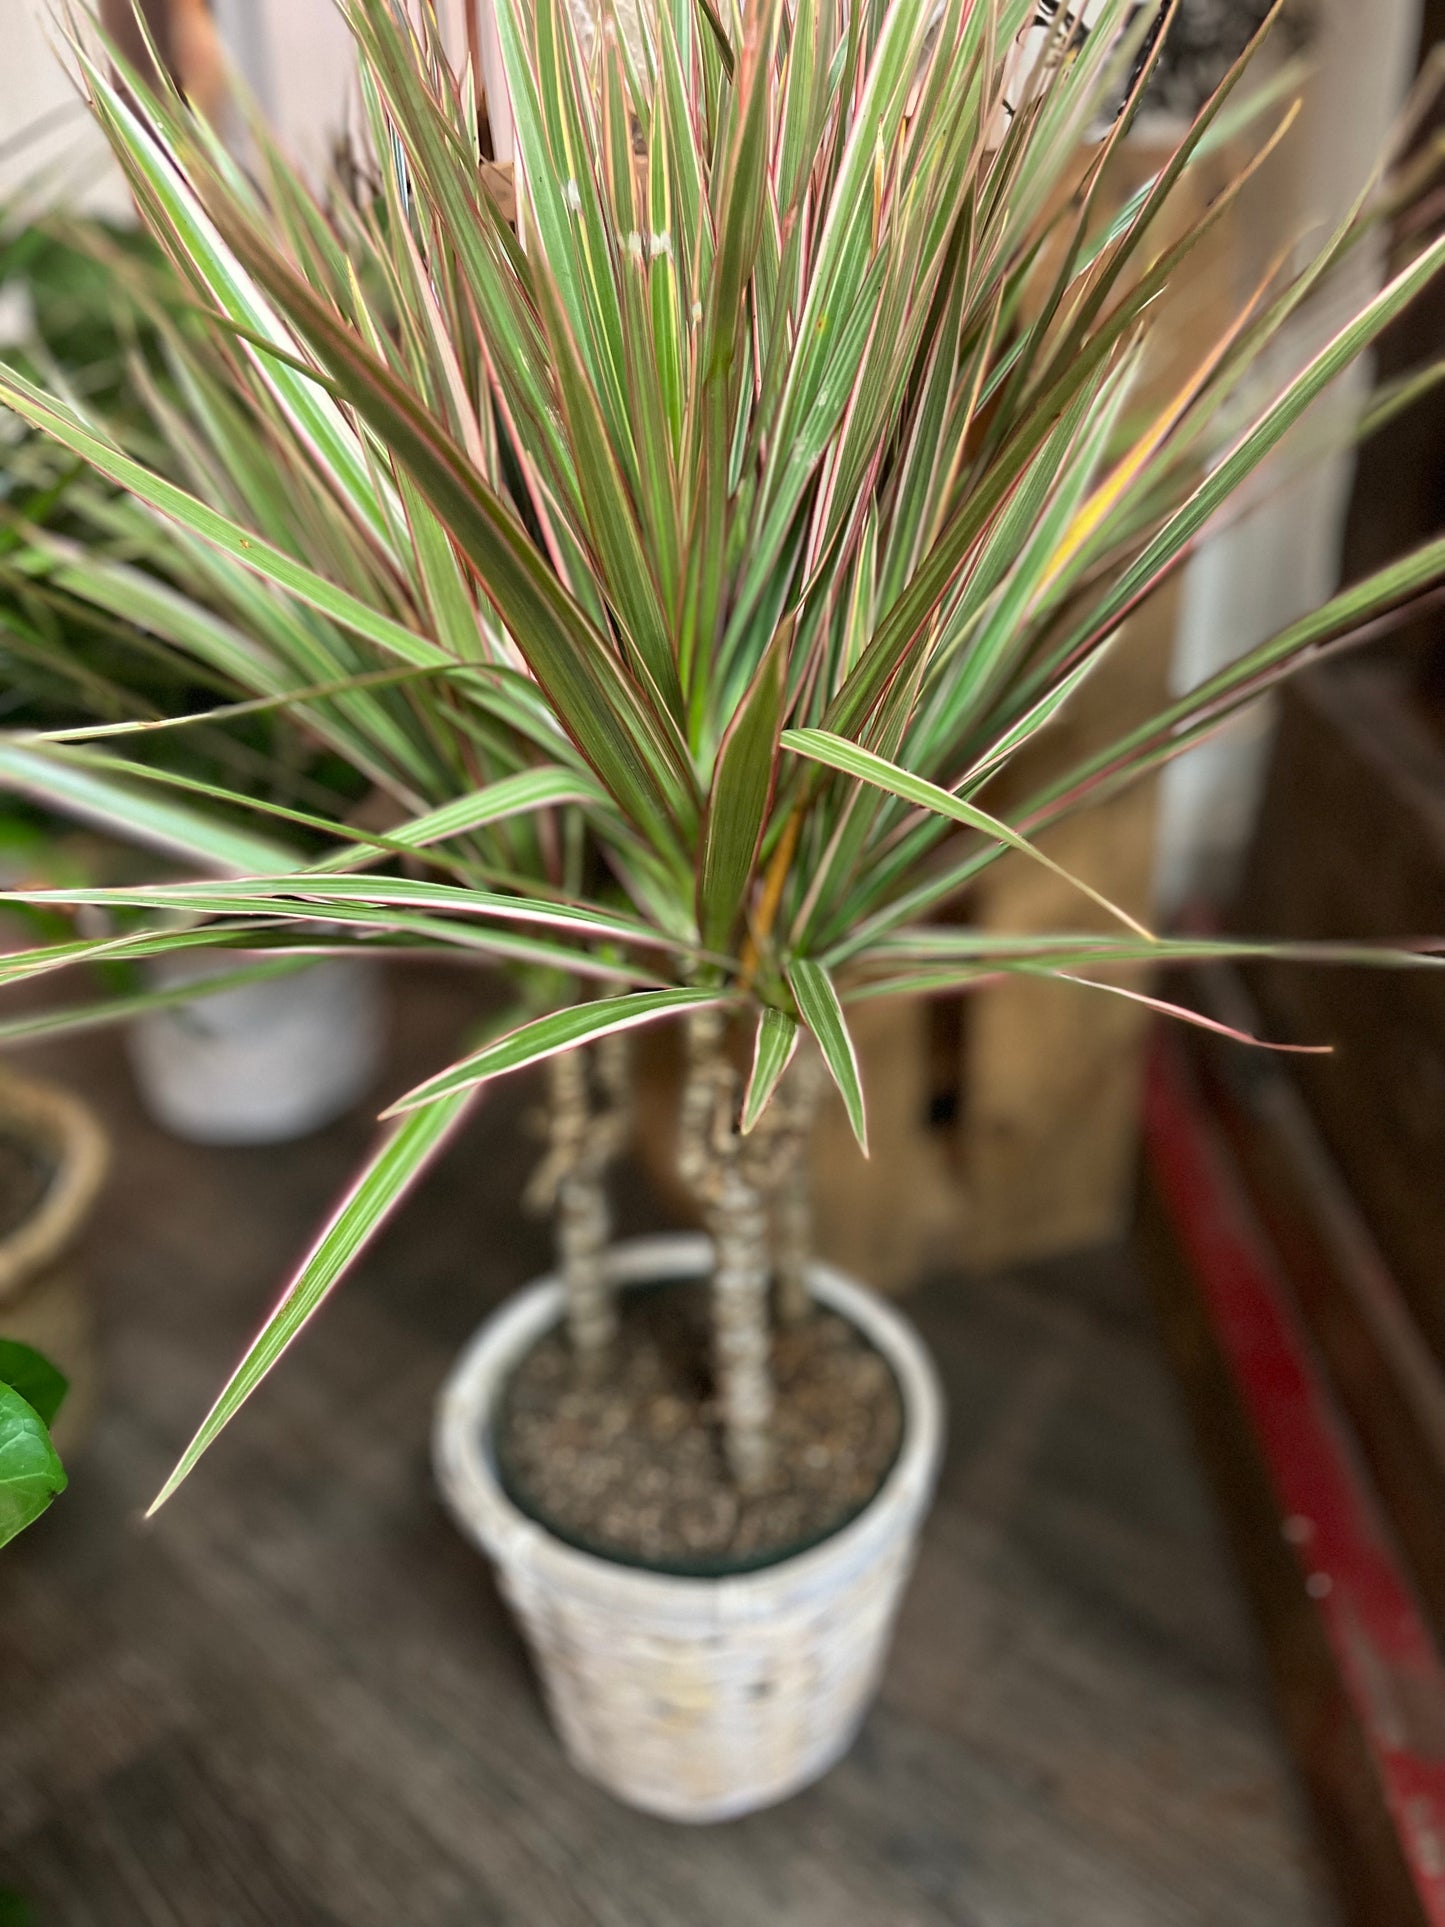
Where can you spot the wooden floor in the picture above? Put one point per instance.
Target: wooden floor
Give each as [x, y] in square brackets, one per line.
[295, 1700]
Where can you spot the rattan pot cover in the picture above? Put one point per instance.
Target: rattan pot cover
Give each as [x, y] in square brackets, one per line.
[697, 1699]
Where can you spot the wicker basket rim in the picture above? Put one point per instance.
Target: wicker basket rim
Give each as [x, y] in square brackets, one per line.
[71, 1136]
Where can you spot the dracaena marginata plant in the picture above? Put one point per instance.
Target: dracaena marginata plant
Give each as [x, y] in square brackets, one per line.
[728, 515]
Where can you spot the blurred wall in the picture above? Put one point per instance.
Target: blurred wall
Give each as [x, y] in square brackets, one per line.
[1283, 557]
[49, 150]
[295, 56]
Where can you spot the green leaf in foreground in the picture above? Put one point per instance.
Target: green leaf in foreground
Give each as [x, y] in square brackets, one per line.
[49, 777]
[1186, 1015]
[15, 1909]
[548, 1036]
[27, 1371]
[68, 1018]
[30, 1470]
[403, 1155]
[838, 752]
[738, 804]
[773, 1049]
[230, 538]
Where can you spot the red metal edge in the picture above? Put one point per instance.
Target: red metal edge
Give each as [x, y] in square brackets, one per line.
[1348, 1565]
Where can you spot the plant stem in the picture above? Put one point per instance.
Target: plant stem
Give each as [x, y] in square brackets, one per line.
[717, 1165]
[707, 1071]
[582, 1143]
[584, 1227]
[795, 1106]
[740, 1322]
[773, 886]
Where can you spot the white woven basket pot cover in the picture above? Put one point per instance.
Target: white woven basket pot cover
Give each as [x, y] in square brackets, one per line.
[698, 1699]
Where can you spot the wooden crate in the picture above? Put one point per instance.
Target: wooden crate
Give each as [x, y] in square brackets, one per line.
[1359, 1679]
[1383, 1369]
[1351, 844]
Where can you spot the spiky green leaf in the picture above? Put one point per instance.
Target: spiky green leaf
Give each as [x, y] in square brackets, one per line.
[547, 1036]
[821, 1010]
[773, 1048]
[406, 1152]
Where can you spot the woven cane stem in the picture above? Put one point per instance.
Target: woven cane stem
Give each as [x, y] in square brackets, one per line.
[713, 1161]
[708, 1074]
[581, 1144]
[584, 1227]
[739, 1226]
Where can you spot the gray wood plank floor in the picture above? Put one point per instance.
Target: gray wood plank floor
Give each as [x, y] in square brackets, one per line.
[294, 1699]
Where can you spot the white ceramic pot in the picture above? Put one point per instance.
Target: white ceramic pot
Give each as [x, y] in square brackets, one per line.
[264, 1062]
[698, 1699]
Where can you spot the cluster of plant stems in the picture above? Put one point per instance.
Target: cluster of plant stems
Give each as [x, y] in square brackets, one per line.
[752, 1191]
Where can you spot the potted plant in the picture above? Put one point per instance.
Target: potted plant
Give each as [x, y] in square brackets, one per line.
[283, 1052]
[719, 535]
